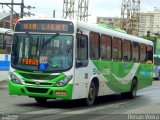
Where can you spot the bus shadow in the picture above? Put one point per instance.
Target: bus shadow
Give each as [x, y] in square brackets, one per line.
[68, 104]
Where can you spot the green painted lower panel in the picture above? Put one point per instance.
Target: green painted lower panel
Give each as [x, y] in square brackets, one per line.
[37, 91]
[119, 75]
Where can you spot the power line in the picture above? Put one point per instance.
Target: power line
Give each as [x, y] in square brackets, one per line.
[130, 12]
[68, 9]
[22, 6]
[83, 10]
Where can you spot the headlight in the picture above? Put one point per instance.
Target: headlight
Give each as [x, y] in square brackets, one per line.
[14, 78]
[64, 81]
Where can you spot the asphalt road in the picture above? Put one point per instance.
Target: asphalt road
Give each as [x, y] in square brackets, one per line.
[145, 106]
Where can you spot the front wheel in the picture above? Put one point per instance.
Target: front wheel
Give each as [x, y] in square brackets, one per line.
[91, 94]
[40, 100]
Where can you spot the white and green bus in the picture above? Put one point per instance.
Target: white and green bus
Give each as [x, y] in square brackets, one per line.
[68, 59]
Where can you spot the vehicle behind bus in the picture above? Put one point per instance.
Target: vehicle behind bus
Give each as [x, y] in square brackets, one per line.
[5, 48]
[156, 73]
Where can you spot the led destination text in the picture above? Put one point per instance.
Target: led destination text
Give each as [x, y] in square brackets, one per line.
[48, 27]
[44, 26]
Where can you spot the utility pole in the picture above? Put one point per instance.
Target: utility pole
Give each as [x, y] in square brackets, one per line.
[130, 13]
[54, 13]
[11, 16]
[83, 10]
[68, 9]
[126, 14]
[135, 14]
[22, 13]
[22, 8]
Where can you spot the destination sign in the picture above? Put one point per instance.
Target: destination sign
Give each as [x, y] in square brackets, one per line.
[28, 61]
[44, 26]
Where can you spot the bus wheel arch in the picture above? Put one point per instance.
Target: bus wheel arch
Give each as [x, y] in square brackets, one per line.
[134, 86]
[133, 89]
[96, 82]
[92, 91]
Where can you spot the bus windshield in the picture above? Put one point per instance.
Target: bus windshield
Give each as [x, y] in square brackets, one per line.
[42, 52]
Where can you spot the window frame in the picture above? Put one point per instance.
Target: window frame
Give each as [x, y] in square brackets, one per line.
[145, 60]
[109, 38]
[98, 57]
[130, 51]
[119, 39]
[132, 44]
[151, 60]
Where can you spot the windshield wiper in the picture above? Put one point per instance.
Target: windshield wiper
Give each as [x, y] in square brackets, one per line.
[47, 41]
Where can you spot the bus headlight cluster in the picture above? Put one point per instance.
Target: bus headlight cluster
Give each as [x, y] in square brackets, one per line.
[64, 81]
[14, 78]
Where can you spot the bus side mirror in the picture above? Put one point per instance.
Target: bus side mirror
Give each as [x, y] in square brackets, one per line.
[79, 63]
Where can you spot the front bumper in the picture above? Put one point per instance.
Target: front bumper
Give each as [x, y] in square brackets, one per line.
[39, 91]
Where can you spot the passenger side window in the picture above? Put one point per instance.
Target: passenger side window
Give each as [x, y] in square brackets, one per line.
[116, 49]
[149, 54]
[105, 47]
[94, 45]
[135, 52]
[126, 50]
[143, 53]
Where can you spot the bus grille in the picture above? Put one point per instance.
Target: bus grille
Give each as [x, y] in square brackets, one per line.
[37, 90]
[42, 83]
[38, 76]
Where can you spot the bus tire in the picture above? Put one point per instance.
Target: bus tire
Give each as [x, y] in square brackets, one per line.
[133, 90]
[91, 94]
[40, 100]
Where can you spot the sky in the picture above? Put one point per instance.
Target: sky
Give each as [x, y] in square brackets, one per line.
[101, 8]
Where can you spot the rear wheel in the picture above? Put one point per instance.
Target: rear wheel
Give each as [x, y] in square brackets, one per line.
[133, 91]
[91, 94]
[40, 100]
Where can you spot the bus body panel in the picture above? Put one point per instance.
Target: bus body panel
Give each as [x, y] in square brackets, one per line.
[119, 75]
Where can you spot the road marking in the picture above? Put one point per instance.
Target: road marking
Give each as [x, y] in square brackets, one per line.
[74, 111]
[48, 111]
[83, 111]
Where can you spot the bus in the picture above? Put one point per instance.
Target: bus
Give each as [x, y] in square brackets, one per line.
[5, 48]
[156, 73]
[69, 59]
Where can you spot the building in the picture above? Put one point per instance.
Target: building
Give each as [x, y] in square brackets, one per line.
[113, 22]
[149, 21]
[5, 20]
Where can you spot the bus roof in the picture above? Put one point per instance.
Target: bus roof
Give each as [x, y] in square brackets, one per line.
[101, 30]
[21, 19]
